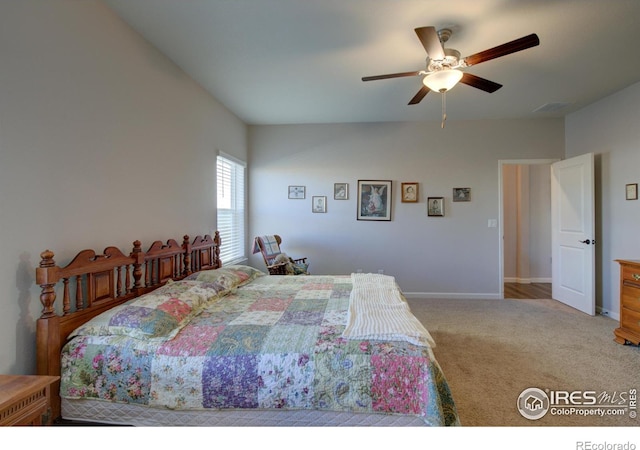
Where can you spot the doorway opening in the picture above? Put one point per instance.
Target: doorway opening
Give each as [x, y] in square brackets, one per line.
[525, 228]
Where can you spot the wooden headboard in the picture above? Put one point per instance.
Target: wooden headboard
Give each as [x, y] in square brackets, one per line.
[92, 283]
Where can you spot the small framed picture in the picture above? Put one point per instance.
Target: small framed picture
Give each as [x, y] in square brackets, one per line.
[319, 204]
[297, 192]
[632, 191]
[461, 194]
[435, 206]
[409, 192]
[340, 191]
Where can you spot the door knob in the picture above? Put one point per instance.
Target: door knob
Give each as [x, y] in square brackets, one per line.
[588, 241]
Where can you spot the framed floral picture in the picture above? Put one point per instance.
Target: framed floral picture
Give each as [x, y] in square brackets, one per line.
[409, 192]
[374, 200]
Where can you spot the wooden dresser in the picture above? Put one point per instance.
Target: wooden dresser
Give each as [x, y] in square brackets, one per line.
[629, 330]
[25, 399]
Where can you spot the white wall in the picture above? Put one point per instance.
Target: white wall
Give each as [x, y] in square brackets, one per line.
[452, 256]
[609, 129]
[102, 141]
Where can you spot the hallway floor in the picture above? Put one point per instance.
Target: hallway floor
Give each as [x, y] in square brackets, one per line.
[527, 291]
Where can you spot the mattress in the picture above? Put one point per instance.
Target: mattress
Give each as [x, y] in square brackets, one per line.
[127, 414]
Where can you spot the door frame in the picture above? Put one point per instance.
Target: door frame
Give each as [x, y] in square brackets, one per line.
[501, 163]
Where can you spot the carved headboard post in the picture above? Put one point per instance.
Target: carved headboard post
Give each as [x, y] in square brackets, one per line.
[48, 326]
[47, 277]
[216, 239]
[186, 260]
[138, 255]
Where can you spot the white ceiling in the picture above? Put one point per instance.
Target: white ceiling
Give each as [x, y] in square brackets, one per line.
[301, 61]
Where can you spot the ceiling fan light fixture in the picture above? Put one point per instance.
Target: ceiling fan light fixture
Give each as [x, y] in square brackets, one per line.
[442, 80]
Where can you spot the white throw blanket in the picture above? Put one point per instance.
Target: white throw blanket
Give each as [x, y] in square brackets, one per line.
[378, 311]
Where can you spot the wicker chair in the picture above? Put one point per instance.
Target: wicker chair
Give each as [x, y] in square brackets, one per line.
[269, 246]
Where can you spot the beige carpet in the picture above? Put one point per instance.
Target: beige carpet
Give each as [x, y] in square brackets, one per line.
[492, 350]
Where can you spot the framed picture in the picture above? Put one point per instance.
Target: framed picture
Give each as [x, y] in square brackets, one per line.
[632, 191]
[461, 194]
[297, 192]
[340, 191]
[435, 206]
[319, 204]
[409, 192]
[374, 200]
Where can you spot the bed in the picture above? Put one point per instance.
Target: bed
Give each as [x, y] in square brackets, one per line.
[168, 336]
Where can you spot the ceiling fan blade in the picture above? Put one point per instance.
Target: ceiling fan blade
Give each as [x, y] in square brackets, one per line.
[479, 83]
[391, 75]
[502, 50]
[419, 96]
[431, 42]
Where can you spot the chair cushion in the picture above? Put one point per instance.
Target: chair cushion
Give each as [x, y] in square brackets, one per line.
[270, 247]
[300, 268]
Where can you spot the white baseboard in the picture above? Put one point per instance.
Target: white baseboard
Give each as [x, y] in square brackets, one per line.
[611, 314]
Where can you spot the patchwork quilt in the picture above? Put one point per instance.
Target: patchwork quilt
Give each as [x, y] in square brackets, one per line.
[247, 341]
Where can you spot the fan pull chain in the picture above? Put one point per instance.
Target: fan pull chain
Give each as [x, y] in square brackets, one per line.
[444, 109]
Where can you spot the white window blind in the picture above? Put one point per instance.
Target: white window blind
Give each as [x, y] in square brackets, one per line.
[231, 208]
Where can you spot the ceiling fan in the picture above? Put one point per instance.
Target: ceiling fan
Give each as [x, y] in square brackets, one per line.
[444, 65]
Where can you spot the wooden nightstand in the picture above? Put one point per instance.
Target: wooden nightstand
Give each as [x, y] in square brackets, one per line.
[629, 329]
[24, 399]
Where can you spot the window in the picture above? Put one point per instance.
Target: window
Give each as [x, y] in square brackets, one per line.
[231, 208]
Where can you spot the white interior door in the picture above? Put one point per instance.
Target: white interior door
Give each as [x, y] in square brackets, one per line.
[573, 232]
